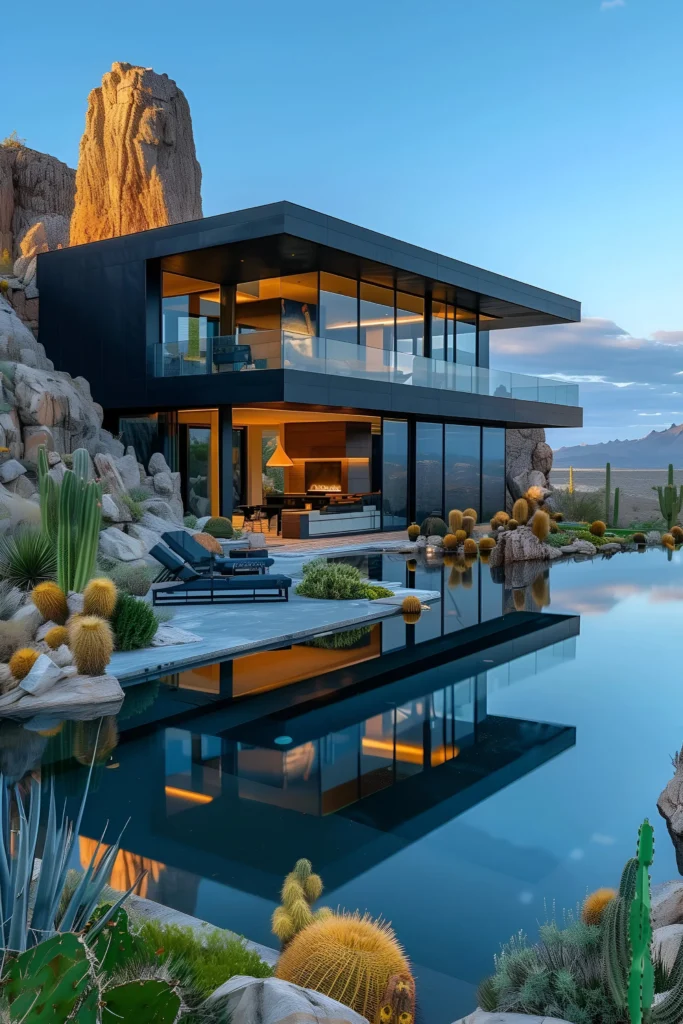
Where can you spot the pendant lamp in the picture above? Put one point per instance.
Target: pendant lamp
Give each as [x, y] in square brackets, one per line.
[279, 459]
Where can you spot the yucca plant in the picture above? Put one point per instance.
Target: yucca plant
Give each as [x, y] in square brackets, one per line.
[27, 558]
[35, 910]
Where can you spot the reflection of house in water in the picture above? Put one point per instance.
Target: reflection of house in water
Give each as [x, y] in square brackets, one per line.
[345, 766]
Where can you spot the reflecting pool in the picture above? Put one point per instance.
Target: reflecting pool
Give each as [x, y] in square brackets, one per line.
[456, 776]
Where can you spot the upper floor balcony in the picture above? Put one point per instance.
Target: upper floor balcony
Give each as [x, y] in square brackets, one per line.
[287, 350]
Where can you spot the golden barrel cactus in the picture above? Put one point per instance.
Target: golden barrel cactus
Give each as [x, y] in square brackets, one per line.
[450, 542]
[470, 513]
[411, 604]
[594, 905]
[460, 536]
[487, 543]
[598, 528]
[413, 532]
[50, 601]
[92, 644]
[668, 541]
[209, 543]
[540, 525]
[519, 599]
[99, 598]
[347, 957]
[511, 524]
[22, 661]
[520, 510]
[677, 533]
[470, 546]
[468, 524]
[57, 636]
[411, 565]
[455, 520]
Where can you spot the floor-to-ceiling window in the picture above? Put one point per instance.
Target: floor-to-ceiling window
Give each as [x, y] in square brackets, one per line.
[190, 314]
[377, 317]
[410, 322]
[493, 471]
[338, 308]
[278, 303]
[394, 473]
[238, 481]
[466, 337]
[462, 466]
[428, 470]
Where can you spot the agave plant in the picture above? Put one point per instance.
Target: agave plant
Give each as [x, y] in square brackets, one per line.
[36, 901]
[27, 558]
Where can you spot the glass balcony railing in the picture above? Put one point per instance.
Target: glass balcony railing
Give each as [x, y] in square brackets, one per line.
[275, 350]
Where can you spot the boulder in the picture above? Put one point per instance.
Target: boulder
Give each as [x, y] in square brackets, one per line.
[670, 802]
[29, 615]
[107, 469]
[34, 187]
[526, 451]
[112, 512]
[34, 437]
[127, 467]
[10, 470]
[667, 904]
[23, 487]
[163, 484]
[168, 635]
[158, 464]
[116, 544]
[579, 547]
[137, 146]
[666, 942]
[148, 538]
[542, 458]
[537, 479]
[62, 656]
[162, 509]
[82, 697]
[74, 603]
[272, 1001]
[521, 545]
[156, 524]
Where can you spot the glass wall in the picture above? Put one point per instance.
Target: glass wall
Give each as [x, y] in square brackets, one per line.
[428, 470]
[198, 474]
[394, 474]
[238, 481]
[376, 317]
[466, 337]
[338, 308]
[462, 466]
[410, 322]
[190, 313]
[278, 303]
[493, 471]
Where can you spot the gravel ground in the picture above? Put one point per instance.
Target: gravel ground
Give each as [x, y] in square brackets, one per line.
[637, 501]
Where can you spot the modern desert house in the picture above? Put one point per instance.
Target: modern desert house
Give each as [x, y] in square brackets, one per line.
[310, 374]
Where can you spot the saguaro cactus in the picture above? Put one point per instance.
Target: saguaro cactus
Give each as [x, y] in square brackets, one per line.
[80, 514]
[49, 496]
[608, 491]
[670, 499]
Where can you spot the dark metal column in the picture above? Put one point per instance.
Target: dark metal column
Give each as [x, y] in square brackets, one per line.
[225, 484]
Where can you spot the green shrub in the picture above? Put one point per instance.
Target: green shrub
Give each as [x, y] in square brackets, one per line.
[331, 581]
[134, 623]
[190, 521]
[581, 506]
[220, 527]
[433, 526]
[558, 540]
[341, 641]
[607, 538]
[209, 961]
[134, 507]
[132, 579]
[27, 558]
[373, 591]
[139, 494]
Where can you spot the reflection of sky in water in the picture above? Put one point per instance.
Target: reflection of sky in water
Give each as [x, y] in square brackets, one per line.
[456, 893]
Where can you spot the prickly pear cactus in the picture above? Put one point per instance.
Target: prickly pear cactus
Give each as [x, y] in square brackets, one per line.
[145, 1002]
[88, 1011]
[114, 947]
[46, 982]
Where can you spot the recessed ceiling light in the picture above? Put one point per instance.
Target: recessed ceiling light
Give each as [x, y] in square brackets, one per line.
[282, 741]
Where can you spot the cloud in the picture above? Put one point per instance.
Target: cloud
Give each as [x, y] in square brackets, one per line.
[608, 5]
[610, 366]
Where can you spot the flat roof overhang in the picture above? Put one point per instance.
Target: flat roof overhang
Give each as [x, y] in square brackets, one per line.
[321, 391]
[282, 238]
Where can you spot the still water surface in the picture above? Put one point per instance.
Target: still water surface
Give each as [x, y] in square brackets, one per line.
[453, 783]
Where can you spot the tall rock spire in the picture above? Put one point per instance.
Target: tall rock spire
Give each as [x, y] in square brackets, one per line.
[137, 167]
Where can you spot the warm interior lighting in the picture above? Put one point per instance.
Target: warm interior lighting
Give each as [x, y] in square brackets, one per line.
[279, 459]
[325, 487]
[187, 794]
[409, 752]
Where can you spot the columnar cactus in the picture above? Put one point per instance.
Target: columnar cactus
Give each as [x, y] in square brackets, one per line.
[670, 499]
[641, 981]
[80, 514]
[302, 887]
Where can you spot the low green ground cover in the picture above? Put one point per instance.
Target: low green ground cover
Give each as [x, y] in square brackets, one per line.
[336, 581]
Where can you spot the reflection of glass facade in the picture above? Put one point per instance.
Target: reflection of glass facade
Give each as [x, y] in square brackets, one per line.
[339, 308]
[394, 474]
[428, 470]
[377, 317]
[190, 313]
[410, 322]
[278, 303]
[493, 471]
[462, 466]
[466, 337]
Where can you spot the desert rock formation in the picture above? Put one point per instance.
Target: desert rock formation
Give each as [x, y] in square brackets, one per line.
[528, 461]
[137, 167]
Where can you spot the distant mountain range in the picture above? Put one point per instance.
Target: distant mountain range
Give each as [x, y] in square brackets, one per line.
[654, 451]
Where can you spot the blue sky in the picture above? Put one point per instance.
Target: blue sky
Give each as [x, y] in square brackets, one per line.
[538, 138]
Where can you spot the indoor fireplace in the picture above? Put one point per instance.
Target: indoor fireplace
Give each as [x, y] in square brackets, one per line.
[323, 477]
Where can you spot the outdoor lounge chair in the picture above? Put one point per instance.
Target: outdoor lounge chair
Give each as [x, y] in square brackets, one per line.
[193, 588]
[187, 548]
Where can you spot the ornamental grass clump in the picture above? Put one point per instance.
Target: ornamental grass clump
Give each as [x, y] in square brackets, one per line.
[133, 579]
[134, 623]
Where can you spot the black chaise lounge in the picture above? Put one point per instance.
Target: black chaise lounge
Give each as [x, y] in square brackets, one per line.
[191, 551]
[193, 588]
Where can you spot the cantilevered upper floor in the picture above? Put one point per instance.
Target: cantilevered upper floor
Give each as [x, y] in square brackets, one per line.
[282, 304]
